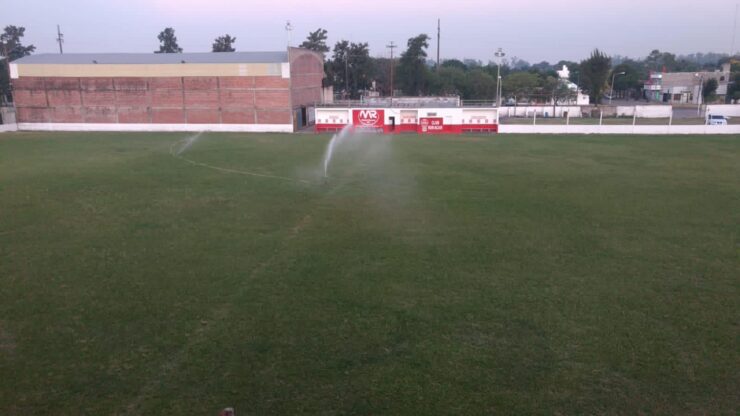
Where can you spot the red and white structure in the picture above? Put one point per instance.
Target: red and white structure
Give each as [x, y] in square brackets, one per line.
[392, 120]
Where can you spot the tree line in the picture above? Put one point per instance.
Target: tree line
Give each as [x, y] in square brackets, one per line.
[353, 72]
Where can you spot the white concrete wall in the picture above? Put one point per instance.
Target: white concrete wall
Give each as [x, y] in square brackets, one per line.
[528, 111]
[580, 129]
[645, 111]
[8, 127]
[237, 128]
[727, 110]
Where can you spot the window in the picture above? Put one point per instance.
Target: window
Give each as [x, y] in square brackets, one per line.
[676, 97]
[722, 78]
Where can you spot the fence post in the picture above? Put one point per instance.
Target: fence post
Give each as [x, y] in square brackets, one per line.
[534, 122]
[634, 119]
[601, 117]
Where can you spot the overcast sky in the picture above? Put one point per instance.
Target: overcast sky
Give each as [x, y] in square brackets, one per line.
[533, 30]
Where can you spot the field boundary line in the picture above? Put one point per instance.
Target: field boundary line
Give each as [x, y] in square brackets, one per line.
[176, 155]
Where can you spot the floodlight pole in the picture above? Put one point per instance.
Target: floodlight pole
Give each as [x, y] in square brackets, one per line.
[289, 30]
[499, 57]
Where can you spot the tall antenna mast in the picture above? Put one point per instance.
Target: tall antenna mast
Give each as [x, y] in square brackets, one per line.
[60, 39]
[392, 46]
[439, 36]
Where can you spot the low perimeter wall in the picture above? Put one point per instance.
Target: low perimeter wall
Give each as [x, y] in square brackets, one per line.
[502, 128]
[8, 127]
[578, 129]
[727, 110]
[529, 111]
[645, 111]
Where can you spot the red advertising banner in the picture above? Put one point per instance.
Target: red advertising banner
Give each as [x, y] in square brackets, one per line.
[431, 125]
[367, 118]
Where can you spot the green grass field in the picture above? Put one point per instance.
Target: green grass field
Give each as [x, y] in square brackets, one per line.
[429, 275]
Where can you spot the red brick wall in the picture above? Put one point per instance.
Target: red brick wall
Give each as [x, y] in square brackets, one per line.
[196, 100]
[306, 73]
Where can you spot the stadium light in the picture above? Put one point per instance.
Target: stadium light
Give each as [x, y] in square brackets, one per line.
[499, 58]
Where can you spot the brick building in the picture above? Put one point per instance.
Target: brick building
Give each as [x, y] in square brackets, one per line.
[685, 87]
[231, 91]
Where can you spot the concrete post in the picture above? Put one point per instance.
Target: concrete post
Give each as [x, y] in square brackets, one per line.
[634, 116]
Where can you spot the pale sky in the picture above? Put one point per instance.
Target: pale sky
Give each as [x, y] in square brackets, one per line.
[533, 30]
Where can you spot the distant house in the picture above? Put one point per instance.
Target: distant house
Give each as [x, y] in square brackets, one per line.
[684, 87]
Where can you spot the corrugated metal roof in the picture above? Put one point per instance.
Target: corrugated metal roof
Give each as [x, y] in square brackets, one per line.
[155, 58]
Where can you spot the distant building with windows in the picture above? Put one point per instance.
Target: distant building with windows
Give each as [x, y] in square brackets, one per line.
[684, 87]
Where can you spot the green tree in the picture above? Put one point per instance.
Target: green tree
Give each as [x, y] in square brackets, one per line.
[733, 91]
[709, 90]
[337, 69]
[454, 63]
[520, 84]
[594, 73]
[11, 48]
[224, 43]
[658, 61]
[413, 73]
[168, 42]
[449, 80]
[316, 41]
[631, 83]
[351, 68]
[482, 85]
[558, 91]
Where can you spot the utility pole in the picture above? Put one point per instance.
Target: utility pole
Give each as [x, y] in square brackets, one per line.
[4, 97]
[392, 46]
[60, 39]
[439, 37]
[734, 32]
[346, 73]
[701, 94]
